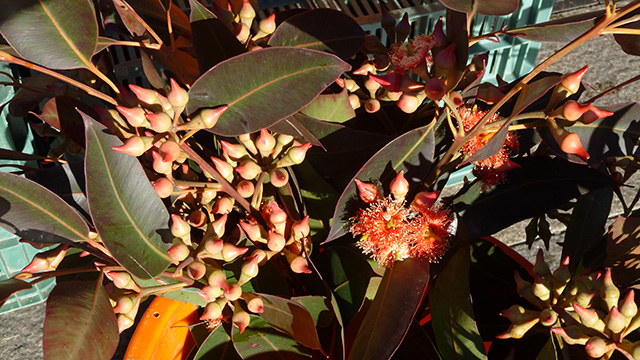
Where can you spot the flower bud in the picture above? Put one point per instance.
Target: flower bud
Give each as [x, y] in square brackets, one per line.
[569, 142]
[254, 303]
[548, 317]
[456, 98]
[213, 310]
[297, 263]
[368, 192]
[230, 252]
[179, 227]
[223, 205]
[124, 322]
[408, 103]
[124, 304]
[399, 186]
[354, 101]
[146, 96]
[196, 270]
[135, 116]
[122, 280]
[628, 306]
[395, 82]
[364, 70]
[571, 82]
[197, 218]
[596, 347]
[218, 279]
[403, 29]
[160, 122]
[589, 317]
[572, 110]
[249, 270]
[275, 241]
[135, 145]
[163, 187]
[234, 292]
[233, 151]
[252, 230]
[268, 24]
[562, 276]
[178, 97]
[179, 252]
[249, 169]
[446, 59]
[615, 321]
[47, 260]
[435, 89]
[224, 168]
[265, 143]
[210, 116]
[278, 177]
[540, 289]
[517, 331]
[170, 151]
[245, 188]
[594, 114]
[166, 106]
[300, 229]
[518, 315]
[297, 153]
[240, 318]
[210, 293]
[609, 293]
[218, 225]
[160, 166]
[571, 334]
[372, 105]
[372, 86]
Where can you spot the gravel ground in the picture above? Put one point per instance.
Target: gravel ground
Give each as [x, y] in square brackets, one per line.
[21, 334]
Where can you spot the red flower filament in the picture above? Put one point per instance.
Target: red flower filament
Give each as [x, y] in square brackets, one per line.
[412, 54]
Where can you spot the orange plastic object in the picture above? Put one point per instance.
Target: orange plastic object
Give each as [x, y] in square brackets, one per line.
[163, 332]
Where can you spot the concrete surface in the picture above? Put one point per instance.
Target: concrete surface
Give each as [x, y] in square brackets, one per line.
[21, 334]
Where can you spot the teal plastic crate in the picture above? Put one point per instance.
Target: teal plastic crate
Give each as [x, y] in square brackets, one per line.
[15, 255]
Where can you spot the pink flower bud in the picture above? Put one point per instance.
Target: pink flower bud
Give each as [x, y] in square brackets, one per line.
[439, 35]
[254, 303]
[596, 347]
[163, 187]
[178, 252]
[435, 89]
[178, 97]
[210, 293]
[399, 186]
[548, 317]
[223, 205]
[160, 122]
[124, 322]
[268, 24]
[588, 317]
[275, 241]
[224, 168]
[298, 264]
[572, 110]
[424, 200]
[518, 315]
[47, 260]
[234, 292]
[233, 151]
[218, 279]
[354, 101]
[446, 59]
[252, 230]
[135, 116]
[124, 304]
[213, 245]
[276, 214]
[146, 96]
[278, 177]
[571, 81]
[366, 69]
[372, 105]
[249, 270]
[122, 280]
[219, 224]
[571, 334]
[396, 82]
[594, 114]
[245, 188]
[170, 151]
[159, 165]
[368, 192]
[210, 116]
[265, 142]
[212, 311]
[300, 229]
[403, 29]
[628, 306]
[179, 227]
[609, 292]
[230, 252]
[240, 319]
[249, 169]
[196, 270]
[408, 103]
[615, 321]
[569, 142]
[298, 153]
[135, 145]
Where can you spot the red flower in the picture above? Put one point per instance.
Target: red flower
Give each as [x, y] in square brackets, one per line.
[491, 171]
[391, 232]
[413, 54]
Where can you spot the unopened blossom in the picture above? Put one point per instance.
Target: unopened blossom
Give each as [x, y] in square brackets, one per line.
[412, 54]
[391, 232]
[491, 171]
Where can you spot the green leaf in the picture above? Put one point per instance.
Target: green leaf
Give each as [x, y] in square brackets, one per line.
[541, 184]
[212, 39]
[291, 318]
[259, 341]
[252, 82]
[217, 345]
[587, 224]
[80, 323]
[11, 286]
[484, 7]
[58, 34]
[128, 214]
[411, 152]
[318, 307]
[188, 295]
[309, 30]
[401, 292]
[331, 107]
[452, 315]
[32, 212]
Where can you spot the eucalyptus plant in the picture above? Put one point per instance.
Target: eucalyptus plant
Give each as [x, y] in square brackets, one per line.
[286, 177]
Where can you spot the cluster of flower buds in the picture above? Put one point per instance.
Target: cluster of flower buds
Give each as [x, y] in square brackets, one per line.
[570, 112]
[47, 260]
[587, 309]
[385, 74]
[124, 297]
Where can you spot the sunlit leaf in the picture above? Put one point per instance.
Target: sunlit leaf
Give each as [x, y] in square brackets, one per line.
[80, 323]
[318, 307]
[291, 318]
[309, 30]
[154, 12]
[259, 341]
[403, 288]
[541, 184]
[484, 7]
[452, 315]
[11, 286]
[623, 250]
[331, 107]
[32, 212]
[563, 30]
[58, 34]
[131, 219]
[218, 346]
[252, 82]
[411, 152]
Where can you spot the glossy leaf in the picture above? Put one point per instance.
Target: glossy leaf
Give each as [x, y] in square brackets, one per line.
[331, 107]
[11, 286]
[128, 214]
[259, 341]
[541, 184]
[484, 7]
[458, 20]
[309, 30]
[403, 288]
[252, 82]
[587, 224]
[548, 352]
[58, 34]
[291, 318]
[452, 315]
[294, 127]
[622, 252]
[80, 323]
[411, 152]
[154, 12]
[217, 345]
[212, 39]
[66, 181]
[562, 30]
[318, 307]
[629, 42]
[32, 212]
[129, 18]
